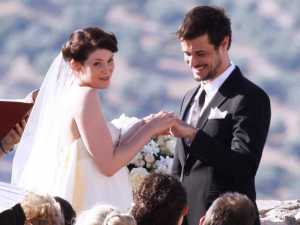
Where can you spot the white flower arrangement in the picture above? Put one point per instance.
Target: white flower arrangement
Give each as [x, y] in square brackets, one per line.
[156, 156]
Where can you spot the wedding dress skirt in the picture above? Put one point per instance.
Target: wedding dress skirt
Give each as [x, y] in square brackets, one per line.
[78, 180]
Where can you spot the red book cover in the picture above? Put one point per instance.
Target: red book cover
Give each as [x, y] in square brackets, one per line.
[12, 112]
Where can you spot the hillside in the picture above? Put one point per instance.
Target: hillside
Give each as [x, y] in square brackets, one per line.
[151, 74]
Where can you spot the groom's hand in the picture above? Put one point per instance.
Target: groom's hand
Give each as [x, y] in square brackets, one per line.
[183, 130]
[160, 122]
[165, 132]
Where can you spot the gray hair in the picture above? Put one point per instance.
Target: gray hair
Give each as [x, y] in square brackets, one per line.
[42, 208]
[104, 215]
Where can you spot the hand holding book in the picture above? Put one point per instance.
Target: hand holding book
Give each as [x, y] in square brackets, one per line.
[13, 117]
[13, 136]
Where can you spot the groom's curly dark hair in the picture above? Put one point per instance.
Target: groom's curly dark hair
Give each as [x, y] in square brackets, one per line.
[210, 20]
[160, 200]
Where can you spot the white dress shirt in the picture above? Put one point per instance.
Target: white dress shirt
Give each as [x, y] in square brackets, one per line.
[211, 89]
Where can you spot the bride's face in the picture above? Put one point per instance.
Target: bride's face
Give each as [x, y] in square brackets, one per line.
[97, 69]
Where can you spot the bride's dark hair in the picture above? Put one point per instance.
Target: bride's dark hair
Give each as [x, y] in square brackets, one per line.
[83, 42]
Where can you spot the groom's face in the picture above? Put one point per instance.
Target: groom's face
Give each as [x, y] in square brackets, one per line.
[205, 60]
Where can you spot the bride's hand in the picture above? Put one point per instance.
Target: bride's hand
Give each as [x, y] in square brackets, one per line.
[183, 130]
[160, 123]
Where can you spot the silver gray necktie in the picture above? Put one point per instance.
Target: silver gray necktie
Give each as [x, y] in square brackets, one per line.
[196, 109]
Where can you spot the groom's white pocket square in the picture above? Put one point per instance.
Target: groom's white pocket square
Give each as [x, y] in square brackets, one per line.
[216, 113]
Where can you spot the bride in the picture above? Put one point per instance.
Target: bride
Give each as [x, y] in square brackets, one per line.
[68, 149]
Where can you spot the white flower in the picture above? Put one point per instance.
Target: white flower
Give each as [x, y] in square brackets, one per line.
[166, 145]
[152, 148]
[148, 165]
[163, 164]
[162, 140]
[137, 157]
[156, 156]
[171, 145]
[149, 158]
[139, 163]
[124, 122]
[137, 176]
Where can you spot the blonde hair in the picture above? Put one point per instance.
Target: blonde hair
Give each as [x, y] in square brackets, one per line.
[44, 208]
[104, 215]
[117, 218]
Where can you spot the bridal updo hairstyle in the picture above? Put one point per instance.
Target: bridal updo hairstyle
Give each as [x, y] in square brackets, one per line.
[83, 42]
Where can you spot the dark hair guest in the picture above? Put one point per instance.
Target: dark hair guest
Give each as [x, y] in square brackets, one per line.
[160, 200]
[230, 208]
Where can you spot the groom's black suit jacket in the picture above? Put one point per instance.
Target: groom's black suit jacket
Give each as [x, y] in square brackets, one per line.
[225, 152]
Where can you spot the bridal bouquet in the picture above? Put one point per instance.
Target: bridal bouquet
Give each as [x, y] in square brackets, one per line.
[156, 156]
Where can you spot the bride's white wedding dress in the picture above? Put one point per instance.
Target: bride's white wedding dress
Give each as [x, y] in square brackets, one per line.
[78, 180]
[44, 163]
[82, 183]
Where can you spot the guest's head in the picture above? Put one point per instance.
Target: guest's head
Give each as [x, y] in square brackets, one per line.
[160, 200]
[117, 218]
[42, 210]
[205, 38]
[67, 210]
[230, 209]
[90, 53]
[104, 215]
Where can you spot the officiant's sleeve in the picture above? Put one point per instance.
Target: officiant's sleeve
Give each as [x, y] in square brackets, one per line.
[13, 216]
[241, 156]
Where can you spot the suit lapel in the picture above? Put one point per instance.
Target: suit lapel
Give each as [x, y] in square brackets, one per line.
[222, 94]
[186, 104]
[217, 100]
[188, 100]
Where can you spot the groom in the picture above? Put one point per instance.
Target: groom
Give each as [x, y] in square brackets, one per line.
[231, 113]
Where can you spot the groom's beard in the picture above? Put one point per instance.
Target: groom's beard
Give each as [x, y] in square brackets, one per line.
[212, 72]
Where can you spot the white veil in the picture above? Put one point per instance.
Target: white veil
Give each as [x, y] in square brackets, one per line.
[37, 155]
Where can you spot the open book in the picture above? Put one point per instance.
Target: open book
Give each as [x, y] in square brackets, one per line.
[12, 112]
